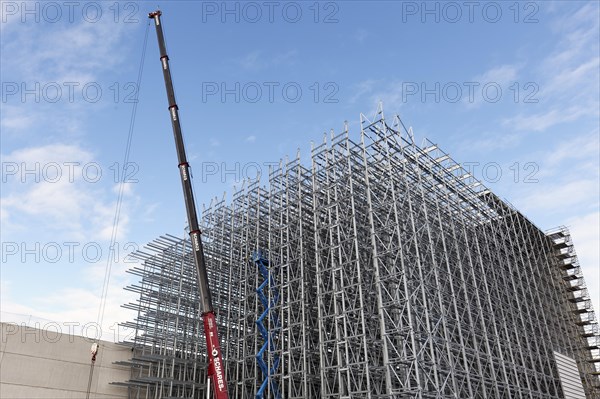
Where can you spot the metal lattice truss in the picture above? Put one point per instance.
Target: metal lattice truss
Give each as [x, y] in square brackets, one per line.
[399, 276]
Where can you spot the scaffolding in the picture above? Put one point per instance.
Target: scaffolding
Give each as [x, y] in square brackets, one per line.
[389, 272]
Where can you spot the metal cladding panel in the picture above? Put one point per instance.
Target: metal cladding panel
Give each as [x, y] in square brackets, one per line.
[569, 377]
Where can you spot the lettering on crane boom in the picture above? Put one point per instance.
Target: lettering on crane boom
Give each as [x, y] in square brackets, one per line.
[217, 367]
[196, 241]
[184, 172]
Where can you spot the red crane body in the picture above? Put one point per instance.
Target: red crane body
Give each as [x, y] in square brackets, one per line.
[216, 369]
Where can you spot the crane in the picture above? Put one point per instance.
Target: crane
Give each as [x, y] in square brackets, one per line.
[216, 369]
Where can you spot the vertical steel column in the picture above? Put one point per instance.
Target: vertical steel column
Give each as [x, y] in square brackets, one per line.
[375, 259]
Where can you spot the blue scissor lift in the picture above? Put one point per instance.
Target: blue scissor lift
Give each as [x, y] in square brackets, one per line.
[270, 334]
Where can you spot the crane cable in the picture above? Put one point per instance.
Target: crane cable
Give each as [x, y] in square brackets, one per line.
[122, 181]
[113, 237]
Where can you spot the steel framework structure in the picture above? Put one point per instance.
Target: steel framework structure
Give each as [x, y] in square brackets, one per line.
[399, 275]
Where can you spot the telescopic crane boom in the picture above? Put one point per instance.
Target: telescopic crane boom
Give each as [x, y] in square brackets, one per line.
[216, 371]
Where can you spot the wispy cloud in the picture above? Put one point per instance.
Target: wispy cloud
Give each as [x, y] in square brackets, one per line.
[559, 195]
[361, 35]
[568, 174]
[492, 141]
[569, 76]
[16, 118]
[362, 89]
[501, 76]
[64, 59]
[577, 150]
[76, 51]
[258, 60]
[541, 121]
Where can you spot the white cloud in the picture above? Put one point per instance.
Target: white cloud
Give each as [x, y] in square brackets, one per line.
[54, 188]
[250, 139]
[15, 118]
[125, 187]
[67, 55]
[56, 206]
[58, 153]
[503, 75]
[72, 51]
[560, 195]
[71, 305]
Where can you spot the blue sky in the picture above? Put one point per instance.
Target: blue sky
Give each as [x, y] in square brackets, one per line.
[506, 87]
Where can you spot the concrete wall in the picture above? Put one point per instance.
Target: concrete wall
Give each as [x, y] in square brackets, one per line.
[45, 364]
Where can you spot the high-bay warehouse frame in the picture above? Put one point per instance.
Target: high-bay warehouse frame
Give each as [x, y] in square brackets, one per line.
[381, 270]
